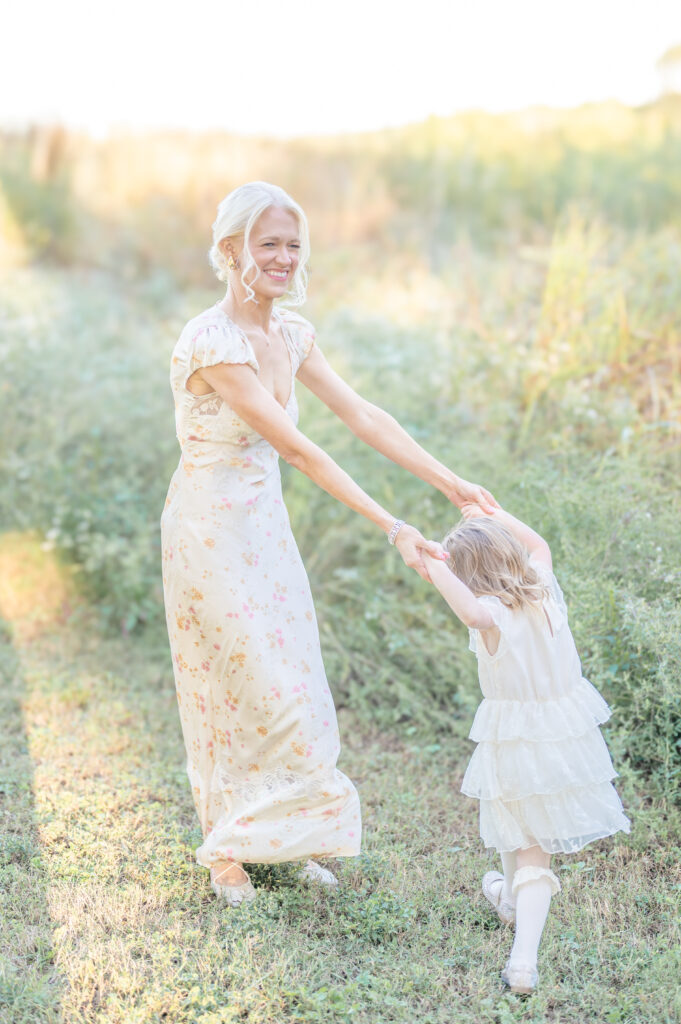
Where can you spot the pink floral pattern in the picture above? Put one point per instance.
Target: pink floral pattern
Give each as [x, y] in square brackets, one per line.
[257, 715]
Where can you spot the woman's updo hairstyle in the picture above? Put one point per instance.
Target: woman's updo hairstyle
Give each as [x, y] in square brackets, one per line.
[237, 213]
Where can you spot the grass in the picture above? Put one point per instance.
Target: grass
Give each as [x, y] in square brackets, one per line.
[108, 920]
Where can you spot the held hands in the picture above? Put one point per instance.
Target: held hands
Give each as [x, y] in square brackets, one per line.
[412, 545]
[462, 493]
[471, 509]
[471, 499]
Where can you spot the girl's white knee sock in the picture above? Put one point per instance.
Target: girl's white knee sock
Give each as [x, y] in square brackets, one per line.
[533, 888]
[508, 862]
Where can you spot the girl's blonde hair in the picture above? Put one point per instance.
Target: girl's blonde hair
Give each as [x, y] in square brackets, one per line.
[237, 213]
[489, 560]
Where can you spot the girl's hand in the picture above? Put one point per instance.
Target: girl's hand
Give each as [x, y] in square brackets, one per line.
[411, 545]
[462, 493]
[470, 509]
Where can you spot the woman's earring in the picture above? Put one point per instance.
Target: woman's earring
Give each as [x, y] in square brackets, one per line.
[231, 263]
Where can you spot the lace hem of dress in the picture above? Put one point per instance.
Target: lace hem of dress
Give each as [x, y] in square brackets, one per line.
[282, 782]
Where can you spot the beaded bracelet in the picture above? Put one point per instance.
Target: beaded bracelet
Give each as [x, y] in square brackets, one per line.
[397, 526]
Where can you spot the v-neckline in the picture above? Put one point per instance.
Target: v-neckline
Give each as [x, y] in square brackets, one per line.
[287, 344]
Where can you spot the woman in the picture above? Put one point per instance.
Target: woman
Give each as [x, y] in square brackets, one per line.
[257, 716]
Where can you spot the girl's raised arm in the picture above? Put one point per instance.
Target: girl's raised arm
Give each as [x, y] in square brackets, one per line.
[528, 537]
[460, 599]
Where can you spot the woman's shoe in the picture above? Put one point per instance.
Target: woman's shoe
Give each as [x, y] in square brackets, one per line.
[232, 894]
[520, 978]
[492, 888]
[313, 872]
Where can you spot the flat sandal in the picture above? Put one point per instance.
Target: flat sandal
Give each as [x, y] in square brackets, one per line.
[233, 895]
[314, 872]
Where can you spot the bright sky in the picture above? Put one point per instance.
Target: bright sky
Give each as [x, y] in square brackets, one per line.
[316, 66]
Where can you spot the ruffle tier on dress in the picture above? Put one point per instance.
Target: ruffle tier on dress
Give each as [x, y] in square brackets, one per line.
[543, 774]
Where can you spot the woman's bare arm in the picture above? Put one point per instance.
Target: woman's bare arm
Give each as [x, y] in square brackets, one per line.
[379, 429]
[239, 386]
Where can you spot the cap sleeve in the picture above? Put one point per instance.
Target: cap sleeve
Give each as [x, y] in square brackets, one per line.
[546, 576]
[301, 335]
[218, 342]
[500, 615]
[208, 341]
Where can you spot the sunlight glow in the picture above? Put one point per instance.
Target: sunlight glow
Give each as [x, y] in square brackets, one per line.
[306, 67]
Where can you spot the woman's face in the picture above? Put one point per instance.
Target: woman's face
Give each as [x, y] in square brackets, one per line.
[275, 248]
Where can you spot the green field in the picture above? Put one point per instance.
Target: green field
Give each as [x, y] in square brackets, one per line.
[509, 289]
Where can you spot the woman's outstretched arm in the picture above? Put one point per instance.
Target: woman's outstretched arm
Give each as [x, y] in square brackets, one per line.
[378, 428]
[239, 386]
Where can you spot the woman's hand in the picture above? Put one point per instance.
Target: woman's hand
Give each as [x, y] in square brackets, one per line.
[462, 493]
[411, 545]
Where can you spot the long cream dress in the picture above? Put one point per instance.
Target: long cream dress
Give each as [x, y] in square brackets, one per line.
[257, 715]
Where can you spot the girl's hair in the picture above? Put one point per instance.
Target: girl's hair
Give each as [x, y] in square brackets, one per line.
[237, 213]
[489, 560]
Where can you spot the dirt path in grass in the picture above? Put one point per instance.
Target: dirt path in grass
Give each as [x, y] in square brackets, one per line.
[107, 919]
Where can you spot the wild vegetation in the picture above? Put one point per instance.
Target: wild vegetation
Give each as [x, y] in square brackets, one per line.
[509, 288]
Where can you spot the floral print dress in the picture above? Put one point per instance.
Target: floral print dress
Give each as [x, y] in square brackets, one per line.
[258, 719]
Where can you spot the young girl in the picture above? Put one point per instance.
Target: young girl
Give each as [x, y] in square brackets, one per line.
[541, 769]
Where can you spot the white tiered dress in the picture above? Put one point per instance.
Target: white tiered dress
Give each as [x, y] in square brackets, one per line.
[257, 715]
[541, 769]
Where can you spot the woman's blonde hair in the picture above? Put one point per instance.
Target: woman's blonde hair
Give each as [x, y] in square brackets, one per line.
[237, 213]
[489, 560]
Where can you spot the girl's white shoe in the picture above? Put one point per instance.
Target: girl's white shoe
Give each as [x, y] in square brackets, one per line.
[233, 895]
[520, 978]
[313, 872]
[492, 888]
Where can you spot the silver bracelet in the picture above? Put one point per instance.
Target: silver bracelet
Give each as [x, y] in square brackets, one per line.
[397, 526]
